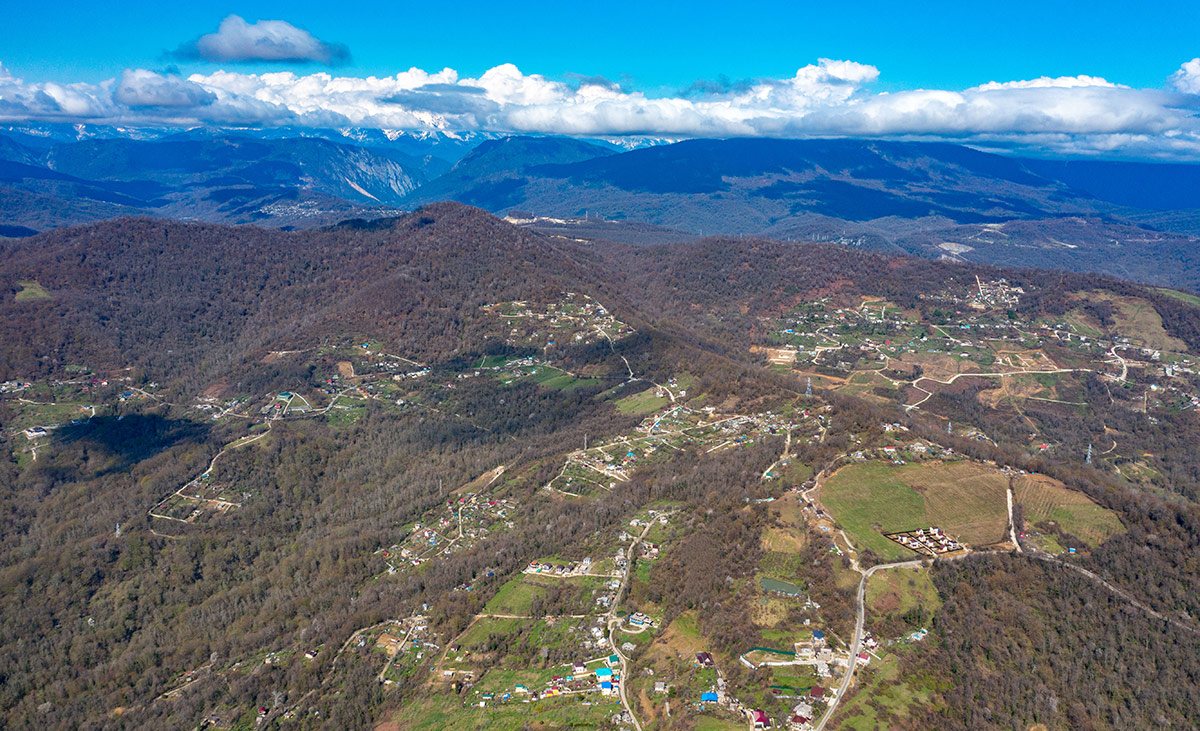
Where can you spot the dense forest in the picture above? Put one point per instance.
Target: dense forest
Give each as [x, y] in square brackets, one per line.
[1023, 641]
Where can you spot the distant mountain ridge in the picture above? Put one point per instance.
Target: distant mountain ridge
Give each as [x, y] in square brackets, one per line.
[221, 179]
[939, 200]
[928, 199]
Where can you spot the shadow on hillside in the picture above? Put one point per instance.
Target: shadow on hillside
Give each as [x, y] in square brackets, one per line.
[132, 438]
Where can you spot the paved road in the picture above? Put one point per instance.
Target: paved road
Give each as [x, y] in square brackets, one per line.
[856, 645]
[614, 621]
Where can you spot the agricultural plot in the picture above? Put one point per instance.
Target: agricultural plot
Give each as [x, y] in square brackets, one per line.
[451, 712]
[1138, 320]
[646, 402]
[515, 597]
[201, 495]
[47, 415]
[883, 700]
[965, 499]
[538, 646]
[1046, 501]
[539, 594]
[534, 371]
[1190, 299]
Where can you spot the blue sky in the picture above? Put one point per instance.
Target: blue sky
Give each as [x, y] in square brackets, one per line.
[1059, 78]
[656, 45]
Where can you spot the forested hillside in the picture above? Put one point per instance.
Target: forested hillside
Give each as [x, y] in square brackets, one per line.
[410, 471]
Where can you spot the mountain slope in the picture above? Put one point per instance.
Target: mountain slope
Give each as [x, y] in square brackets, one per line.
[932, 200]
[772, 180]
[228, 179]
[113, 283]
[491, 176]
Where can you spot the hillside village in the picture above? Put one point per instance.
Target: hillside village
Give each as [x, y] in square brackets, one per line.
[576, 636]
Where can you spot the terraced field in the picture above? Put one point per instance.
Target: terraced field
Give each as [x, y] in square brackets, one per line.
[1045, 500]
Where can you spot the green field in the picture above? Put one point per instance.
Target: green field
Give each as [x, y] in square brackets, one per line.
[31, 290]
[964, 499]
[882, 701]
[478, 633]
[1191, 299]
[25, 415]
[710, 723]
[338, 416]
[896, 591]
[1074, 512]
[641, 403]
[1137, 319]
[515, 597]
[558, 380]
[451, 713]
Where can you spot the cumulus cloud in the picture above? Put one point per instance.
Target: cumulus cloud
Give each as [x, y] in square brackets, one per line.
[1077, 114]
[1187, 78]
[274, 41]
[141, 88]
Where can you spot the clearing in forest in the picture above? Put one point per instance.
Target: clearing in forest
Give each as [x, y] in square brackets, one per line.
[1139, 321]
[31, 290]
[965, 499]
[1046, 500]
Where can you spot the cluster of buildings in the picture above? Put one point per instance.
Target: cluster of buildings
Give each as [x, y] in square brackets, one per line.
[570, 569]
[930, 541]
[466, 520]
[593, 676]
[576, 318]
[997, 293]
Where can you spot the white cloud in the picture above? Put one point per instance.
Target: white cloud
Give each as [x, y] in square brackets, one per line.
[1075, 114]
[1047, 82]
[267, 40]
[141, 88]
[1187, 78]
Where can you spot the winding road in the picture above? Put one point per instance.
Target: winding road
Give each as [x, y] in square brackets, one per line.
[614, 621]
[856, 645]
